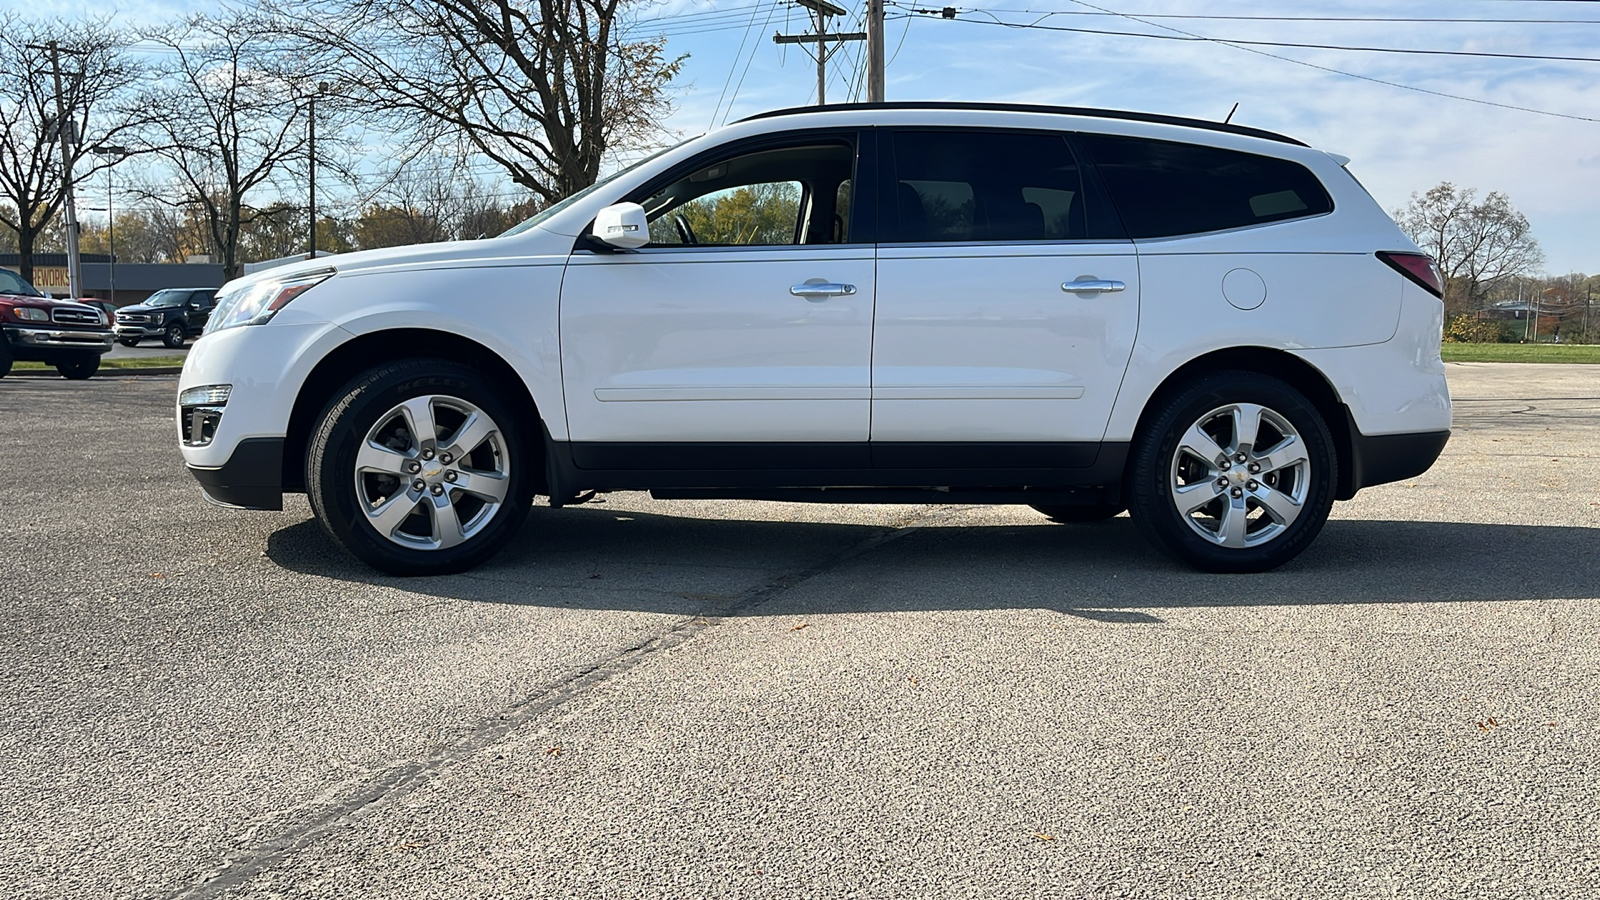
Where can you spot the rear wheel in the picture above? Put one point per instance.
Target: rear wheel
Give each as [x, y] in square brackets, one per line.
[1094, 512]
[419, 468]
[1235, 474]
[174, 335]
[79, 366]
[128, 342]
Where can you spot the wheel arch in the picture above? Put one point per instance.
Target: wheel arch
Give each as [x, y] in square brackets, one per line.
[389, 345]
[1285, 366]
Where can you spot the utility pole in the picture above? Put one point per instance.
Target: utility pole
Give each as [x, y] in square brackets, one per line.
[311, 160]
[823, 10]
[875, 63]
[65, 127]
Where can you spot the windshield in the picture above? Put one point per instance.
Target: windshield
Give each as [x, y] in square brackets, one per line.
[12, 283]
[167, 298]
[524, 225]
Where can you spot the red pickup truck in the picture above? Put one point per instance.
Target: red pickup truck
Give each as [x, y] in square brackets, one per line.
[70, 336]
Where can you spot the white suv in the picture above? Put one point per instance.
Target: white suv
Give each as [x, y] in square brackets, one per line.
[1084, 311]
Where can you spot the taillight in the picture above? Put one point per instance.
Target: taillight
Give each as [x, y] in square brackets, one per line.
[1418, 267]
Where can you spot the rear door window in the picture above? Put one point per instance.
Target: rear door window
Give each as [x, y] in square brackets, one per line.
[984, 186]
[1165, 188]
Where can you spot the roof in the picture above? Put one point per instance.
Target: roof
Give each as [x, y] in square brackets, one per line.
[1084, 111]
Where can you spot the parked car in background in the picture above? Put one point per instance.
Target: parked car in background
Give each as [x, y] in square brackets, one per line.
[1213, 327]
[105, 306]
[173, 315]
[70, 336]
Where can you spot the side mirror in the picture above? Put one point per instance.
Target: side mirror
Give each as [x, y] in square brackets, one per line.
[622, 225]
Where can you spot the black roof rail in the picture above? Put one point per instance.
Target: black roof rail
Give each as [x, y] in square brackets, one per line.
[1035, 108]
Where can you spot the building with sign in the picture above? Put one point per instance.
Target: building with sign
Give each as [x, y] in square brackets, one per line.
[134, 281]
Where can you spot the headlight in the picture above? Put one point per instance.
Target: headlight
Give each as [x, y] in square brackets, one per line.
[30, 314]
[259, 302]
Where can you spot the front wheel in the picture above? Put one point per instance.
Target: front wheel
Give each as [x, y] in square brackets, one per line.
[79, 367]
[419, 468]
[173, 336]
[1236, 473]
[128, 342]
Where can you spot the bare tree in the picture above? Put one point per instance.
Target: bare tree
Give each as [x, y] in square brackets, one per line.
[233, 123]
[96, 75]
[544, 88]
[1473, 243]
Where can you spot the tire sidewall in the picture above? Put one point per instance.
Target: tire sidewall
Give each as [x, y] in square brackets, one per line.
[1150, 492]
[330, 465]
[79, 368]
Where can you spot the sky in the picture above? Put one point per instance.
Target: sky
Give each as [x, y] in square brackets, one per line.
[1528, 128]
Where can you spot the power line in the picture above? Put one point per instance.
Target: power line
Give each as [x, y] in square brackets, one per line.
[1187, 37]
[753, 48]
[1377, 19]
[737, 53]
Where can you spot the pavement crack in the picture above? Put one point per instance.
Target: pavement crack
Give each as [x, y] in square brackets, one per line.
[335, 807]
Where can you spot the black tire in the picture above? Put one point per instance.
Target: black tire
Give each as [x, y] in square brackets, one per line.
[174, 335]
[78, 366]
[128, 342]
[1071, 515]
[5, 356]
[340, 496]
[1290, 426]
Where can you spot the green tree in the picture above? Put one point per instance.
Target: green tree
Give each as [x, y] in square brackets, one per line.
[1474, 243]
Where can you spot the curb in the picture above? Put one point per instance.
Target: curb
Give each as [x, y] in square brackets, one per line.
[103, 373]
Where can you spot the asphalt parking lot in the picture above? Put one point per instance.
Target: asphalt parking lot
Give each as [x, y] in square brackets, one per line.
[746, 700]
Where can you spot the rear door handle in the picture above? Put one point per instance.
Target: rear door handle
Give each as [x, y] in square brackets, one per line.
[1092, 286]
[822, 289]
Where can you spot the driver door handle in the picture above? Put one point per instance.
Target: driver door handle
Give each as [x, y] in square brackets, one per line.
[822, 289]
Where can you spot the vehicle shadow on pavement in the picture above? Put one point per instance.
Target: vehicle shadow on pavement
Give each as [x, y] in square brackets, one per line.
[625, 560]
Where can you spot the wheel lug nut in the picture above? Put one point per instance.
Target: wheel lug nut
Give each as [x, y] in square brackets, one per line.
[1225, 465]
[418, 485]
[450, 476]
[1252, 484]
[427, 454]
[446, 458]
[1239, 457]
[1254, 468]
[1222, 482]
[436, 490]
[1236, 493]
[413, 467]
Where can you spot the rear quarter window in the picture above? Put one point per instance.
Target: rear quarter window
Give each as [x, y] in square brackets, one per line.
[1166, 188]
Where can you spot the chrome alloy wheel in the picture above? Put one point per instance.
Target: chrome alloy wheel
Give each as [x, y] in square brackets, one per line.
[1240, 475]
[432, 472]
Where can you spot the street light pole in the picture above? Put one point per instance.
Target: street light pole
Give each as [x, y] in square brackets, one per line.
[115, 154]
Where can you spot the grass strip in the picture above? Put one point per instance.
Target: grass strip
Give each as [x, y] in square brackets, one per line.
[143, 362]
[1522, 353]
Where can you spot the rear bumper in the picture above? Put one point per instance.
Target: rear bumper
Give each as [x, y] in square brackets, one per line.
[1382, 458]
[252, 478]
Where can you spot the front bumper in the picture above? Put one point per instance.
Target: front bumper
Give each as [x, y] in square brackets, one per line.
[252, 478]
[140, 331]
[24, 339]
